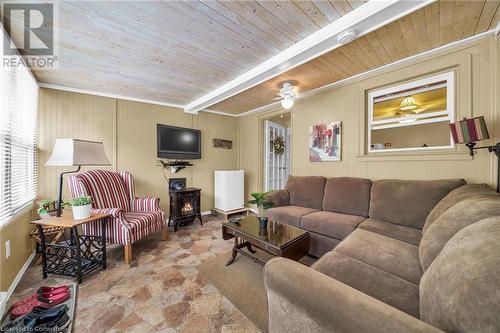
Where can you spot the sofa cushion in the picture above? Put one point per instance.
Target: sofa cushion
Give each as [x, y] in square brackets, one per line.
[408, 202]
[279, 198]
[460, 292]
[396, 231]
[306, 191]
[388, 254]
[347, 195]
[289, 214]
[455, 196]
[321, 244]
[462, 214]
[331, 224]
[372, 281]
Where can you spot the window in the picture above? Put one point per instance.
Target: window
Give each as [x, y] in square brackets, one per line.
[412, 116]
[18, 132]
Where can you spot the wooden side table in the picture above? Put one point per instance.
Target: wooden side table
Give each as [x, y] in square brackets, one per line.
[76, 256]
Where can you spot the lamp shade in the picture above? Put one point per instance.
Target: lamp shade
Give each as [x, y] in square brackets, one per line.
[74, 152]
[469, 130]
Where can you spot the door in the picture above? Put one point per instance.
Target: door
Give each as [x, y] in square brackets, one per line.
[275, 170]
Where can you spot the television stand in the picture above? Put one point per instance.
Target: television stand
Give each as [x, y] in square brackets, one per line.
[176, 166]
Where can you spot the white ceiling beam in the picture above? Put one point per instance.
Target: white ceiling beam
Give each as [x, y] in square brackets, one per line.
[364, 19]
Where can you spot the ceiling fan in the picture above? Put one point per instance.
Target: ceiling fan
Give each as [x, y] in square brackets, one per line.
[288, 93]
[407, 110]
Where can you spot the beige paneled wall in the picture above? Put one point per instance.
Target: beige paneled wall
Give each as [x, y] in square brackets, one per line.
[70, 115]
[128, 130]
[474, 68]
[136, 148]
[21, 245]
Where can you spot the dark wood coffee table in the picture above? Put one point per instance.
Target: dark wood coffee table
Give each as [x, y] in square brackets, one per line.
[278, 239]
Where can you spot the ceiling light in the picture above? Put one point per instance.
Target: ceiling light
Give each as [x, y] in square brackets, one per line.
[287, 103]
[408, 104]
[346, 36]
[289, 94]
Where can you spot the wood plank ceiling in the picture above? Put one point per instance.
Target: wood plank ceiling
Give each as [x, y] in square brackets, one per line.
[177, 51]
[437, 24]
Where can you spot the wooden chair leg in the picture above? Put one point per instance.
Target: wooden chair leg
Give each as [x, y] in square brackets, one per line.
[128, 254]
[164, 233]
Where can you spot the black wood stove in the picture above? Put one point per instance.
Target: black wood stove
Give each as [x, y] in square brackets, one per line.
[184, 203]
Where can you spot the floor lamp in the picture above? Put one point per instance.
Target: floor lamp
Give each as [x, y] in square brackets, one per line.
[74, 152]
[468, 132]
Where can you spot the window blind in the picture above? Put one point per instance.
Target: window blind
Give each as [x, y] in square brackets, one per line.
[18, 133]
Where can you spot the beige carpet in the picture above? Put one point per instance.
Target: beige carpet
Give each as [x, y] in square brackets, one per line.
[242, 283]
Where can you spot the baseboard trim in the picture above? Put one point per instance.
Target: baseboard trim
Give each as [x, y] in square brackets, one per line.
[205, 213]
[19, 276]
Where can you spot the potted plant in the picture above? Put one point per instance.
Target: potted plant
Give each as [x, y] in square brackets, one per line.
[48, 207]
[259, 199]
[81, 207]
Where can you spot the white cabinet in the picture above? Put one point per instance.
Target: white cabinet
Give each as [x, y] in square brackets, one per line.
[229, 190]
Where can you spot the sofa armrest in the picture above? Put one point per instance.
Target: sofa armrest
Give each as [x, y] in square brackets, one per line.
[145, 205]
[301, 299]
[279, 198]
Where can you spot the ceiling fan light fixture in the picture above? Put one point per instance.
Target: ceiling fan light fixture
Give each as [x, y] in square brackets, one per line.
[408, 104]
[289, 94]
[287, 103]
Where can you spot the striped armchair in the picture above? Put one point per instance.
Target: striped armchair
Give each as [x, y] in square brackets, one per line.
[113, 193]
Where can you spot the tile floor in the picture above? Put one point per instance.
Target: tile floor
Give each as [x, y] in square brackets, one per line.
[160, 291]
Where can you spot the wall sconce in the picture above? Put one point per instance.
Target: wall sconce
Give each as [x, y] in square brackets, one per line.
[470, 131]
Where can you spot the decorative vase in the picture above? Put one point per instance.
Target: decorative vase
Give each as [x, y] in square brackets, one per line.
[81, 212]
[262, 215]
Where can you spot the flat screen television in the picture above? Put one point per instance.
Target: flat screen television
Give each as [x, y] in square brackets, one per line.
[178, 142]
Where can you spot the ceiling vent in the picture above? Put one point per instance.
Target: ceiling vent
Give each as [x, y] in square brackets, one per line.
[346, 37]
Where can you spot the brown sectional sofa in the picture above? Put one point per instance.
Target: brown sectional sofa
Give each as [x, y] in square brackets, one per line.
[424, 258]
[330, 209]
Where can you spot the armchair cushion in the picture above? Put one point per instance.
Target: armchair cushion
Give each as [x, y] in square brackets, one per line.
[145, 205]
[142, 220]
[106, 188]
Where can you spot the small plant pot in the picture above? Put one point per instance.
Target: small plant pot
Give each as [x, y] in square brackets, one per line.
[81, 212]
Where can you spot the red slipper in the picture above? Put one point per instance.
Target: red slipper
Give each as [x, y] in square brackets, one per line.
[44, 291]
[53, 290]
[39, 302]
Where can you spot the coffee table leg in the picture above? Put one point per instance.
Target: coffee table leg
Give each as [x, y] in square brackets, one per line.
[249, 248]
[233, 256]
